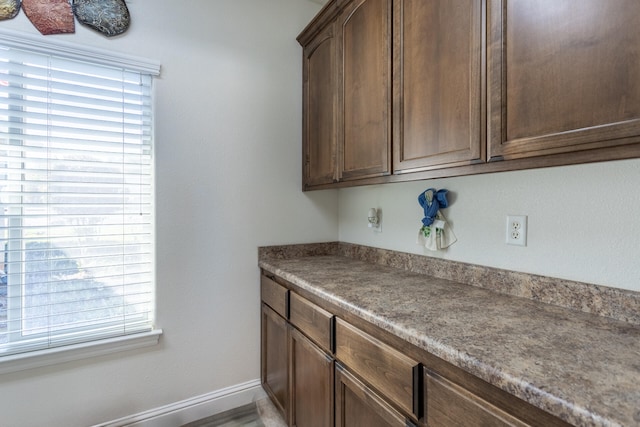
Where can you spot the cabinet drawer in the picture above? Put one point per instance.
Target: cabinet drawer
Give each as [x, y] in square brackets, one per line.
[385, 368]
[449, 405]
[275, 296]
[312, 320]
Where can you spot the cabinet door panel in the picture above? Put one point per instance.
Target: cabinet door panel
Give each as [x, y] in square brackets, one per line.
[449, 405]
[365, 50]
[357, 405]
[438, 83]
[320, 102]
[563, 75]
[311, 383]
[274, 359]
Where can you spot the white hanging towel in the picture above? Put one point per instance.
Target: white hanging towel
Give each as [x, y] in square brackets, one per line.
[438, 235]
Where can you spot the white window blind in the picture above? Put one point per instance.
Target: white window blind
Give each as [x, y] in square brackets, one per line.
[75, 197]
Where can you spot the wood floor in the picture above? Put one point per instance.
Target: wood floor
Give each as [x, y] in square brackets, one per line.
[257, 414]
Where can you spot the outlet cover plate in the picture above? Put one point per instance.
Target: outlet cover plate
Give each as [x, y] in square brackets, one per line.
[516, 230]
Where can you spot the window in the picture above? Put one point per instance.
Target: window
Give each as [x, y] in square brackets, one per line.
[76, 233]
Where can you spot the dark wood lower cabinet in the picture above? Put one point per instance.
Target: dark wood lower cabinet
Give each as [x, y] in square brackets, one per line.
[357, 405]
[311, 383]
[321, 370]
[449, 405]
[382, 366]
[274, 358]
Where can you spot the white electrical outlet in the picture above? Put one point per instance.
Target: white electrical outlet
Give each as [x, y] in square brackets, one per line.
[517, 230]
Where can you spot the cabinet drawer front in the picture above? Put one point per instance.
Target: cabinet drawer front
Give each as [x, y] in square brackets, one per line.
[275, 296]
[312, 320]
[449, 405]
[385, 368]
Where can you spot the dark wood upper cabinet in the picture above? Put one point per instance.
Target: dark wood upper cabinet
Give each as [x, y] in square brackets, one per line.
[399, 90]
[320, 86]
[564, 76]
[364, 52]
[438, 84]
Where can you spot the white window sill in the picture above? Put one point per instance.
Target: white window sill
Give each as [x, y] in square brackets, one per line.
[37, 359]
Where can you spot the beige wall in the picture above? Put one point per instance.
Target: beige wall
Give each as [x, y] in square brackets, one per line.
[228, 126]
[583, 221]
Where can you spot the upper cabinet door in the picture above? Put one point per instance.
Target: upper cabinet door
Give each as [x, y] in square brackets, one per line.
[320, 85]
[438, 84]
[564, 75]
[365, 89]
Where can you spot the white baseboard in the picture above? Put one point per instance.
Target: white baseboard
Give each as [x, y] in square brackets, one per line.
[186, 411]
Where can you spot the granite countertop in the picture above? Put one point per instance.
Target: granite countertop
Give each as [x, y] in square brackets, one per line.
[581, 367]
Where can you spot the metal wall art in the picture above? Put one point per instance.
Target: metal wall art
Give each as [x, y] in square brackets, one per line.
[109, 17]
[9, 9]
[50, 16]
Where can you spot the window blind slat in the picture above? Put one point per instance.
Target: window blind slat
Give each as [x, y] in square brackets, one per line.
[19, 100]
[32, 133]
[40, 88]
[97, 117]
[34, 146]
[76, 242]
[43, 68]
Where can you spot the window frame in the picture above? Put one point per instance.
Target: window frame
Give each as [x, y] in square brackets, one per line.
[18, 361]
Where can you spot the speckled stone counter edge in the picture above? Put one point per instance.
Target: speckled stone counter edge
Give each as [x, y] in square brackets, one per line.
[604, 301]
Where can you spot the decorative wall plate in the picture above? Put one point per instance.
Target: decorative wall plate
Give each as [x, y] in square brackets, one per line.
[110, 17]
[50, 16]
[9, 9]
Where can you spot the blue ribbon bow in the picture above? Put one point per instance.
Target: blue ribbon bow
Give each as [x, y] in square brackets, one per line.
[431, 208]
